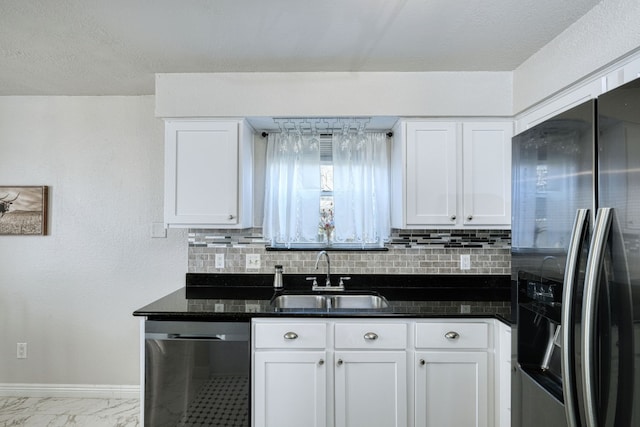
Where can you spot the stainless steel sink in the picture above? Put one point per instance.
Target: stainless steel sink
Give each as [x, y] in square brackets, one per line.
[352, 301]
[329, 302]
[299, 301]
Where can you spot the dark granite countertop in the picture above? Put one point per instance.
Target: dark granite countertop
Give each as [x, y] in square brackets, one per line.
[240, 297]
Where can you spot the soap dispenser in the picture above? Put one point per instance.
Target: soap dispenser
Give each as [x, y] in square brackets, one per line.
[277, 278]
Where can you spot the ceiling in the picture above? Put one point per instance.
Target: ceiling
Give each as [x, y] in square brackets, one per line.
[114, 47]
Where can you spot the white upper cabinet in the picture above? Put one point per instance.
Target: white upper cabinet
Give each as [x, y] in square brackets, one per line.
[208, 173]
[431, 162]
[451, 174]
[486, 173]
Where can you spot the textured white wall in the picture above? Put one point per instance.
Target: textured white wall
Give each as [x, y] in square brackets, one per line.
[334, 94]
[70, 294]
[606, 33]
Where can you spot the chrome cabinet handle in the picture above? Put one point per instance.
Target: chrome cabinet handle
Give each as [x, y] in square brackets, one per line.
[422, 362]
[452, 217]
[452, 335]
[231, 216]
[371, 336]
[340, 362]
[290, 336]
[469, 218]
[321, 362]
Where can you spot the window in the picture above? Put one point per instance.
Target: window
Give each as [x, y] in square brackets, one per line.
[327, 189]
[326, 225]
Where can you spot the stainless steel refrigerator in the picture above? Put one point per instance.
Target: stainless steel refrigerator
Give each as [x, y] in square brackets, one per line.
[576, 266]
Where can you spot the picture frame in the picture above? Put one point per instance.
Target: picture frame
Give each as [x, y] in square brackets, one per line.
[23, 210]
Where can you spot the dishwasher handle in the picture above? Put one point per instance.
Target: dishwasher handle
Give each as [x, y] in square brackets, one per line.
[195, 337]
[173, 336]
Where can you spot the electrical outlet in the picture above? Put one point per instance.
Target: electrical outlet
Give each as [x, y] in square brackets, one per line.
[220, 261]
[465, 262]
[465, 309]
[252, 308]
[253, 261]
[21, 352]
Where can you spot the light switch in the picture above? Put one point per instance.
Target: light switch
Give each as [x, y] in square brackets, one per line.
[465, 262]
[220, 261]
[158, 230]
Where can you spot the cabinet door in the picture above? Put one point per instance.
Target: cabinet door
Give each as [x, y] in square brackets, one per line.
[451, 389]
[431, 184]
[201, 173]
[486, 171]
[371, 389]
[290, 389]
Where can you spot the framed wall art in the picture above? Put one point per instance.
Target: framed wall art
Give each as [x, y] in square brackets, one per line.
[23, 210]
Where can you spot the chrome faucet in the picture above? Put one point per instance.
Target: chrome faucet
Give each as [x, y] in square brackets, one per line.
[327, 282]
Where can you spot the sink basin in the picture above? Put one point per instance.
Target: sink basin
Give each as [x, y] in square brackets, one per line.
[299, 301]
[329, 302]
[348, 302]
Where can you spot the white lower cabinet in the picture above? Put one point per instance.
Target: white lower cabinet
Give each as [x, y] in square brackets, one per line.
[290, 389]
[452, 389]
[370, 389]
[452, 385]
[375, 373]
[370, 374]
[503, 383]
[289, 380]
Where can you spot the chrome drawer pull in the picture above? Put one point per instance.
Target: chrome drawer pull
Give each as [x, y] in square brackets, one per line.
[340, 362]
[371, 336]
[321, 362]
[451, 335]
[422, 362]
[290, 336]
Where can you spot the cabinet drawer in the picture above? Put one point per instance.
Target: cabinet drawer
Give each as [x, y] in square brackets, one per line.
[290, 335]
[452, 335]
[371, 335]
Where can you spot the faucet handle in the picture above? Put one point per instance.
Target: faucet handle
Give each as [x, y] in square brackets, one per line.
[315, 281]
[342, 279]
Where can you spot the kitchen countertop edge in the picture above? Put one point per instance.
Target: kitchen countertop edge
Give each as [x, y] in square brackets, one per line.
[175, 307]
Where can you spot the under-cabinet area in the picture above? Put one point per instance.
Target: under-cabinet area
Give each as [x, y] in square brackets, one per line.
[380, 372]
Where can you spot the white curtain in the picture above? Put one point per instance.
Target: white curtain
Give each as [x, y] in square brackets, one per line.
[292, 189]
[361, 188]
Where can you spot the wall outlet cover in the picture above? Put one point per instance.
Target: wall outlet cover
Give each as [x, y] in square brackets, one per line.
[252, 308]
[253, 261]
[21, 350]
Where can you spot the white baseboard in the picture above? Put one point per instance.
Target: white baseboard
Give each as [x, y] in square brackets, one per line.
[97, 391]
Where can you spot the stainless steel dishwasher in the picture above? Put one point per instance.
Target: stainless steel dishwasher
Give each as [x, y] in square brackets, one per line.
[196, 374]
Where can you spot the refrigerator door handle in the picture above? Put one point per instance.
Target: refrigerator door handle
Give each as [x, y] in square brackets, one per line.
[567, 331]
[595, 262]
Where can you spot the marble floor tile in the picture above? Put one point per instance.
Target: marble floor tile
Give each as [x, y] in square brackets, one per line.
[59, 412]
